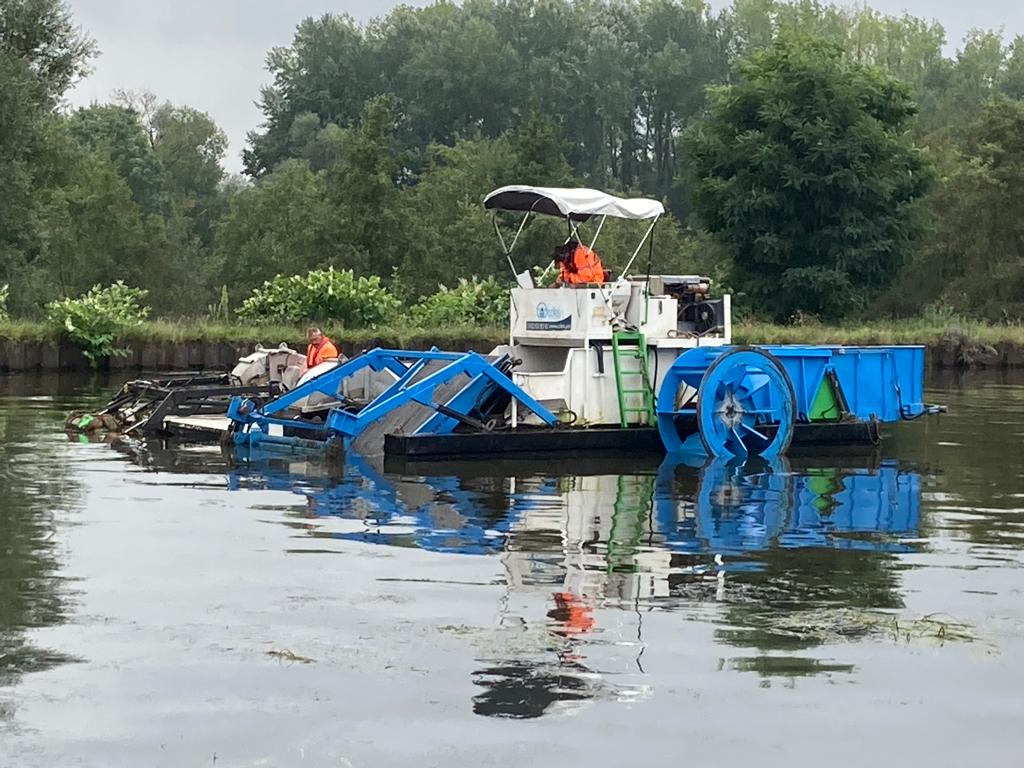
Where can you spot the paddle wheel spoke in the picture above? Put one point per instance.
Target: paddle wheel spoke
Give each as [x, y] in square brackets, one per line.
[753, 431]
[739, 447]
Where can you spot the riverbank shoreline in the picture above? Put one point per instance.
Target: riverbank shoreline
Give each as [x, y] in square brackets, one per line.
[165, 346]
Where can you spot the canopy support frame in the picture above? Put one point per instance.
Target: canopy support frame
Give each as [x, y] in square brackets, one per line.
[591, 203]
[508, 249]
[597, 234]
[647, 234]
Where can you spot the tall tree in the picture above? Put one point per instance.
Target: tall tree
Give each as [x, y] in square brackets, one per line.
[118, 133]
[190, 147]
[539, 147]
[274, 227]
[41, 54]
[1011, 83]
[324, 72]
[451, 236]
[95, 232]
[367, 226]
[807, 174]
[620, 78]
[956, 90]
[41, 35]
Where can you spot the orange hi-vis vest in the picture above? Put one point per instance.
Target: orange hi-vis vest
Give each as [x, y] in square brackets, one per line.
[584, 267]
[319, 354]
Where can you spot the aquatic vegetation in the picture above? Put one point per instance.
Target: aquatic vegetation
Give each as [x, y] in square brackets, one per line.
[285, 655]
[836, 624]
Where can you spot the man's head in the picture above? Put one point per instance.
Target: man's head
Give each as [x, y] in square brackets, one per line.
[565, 251]
[314, 335]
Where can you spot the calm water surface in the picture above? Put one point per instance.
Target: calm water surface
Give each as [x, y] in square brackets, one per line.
[161, 607]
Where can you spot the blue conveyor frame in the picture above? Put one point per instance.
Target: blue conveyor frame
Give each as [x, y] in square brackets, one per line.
[253, 423]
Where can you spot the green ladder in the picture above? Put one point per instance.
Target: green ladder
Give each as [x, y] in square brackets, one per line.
[632, 345]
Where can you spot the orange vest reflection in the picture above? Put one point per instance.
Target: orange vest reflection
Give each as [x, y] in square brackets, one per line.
[573, 614]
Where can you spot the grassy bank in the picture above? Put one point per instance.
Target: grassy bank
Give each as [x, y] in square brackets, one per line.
[177, 332]
[26, 331]
[915, 331]
[396, 335]
[961, 333]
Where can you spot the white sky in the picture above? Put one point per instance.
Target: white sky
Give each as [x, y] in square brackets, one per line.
[210, 54]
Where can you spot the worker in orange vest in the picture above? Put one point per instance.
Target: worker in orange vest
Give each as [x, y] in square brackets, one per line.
[320, 350]
[578, 264]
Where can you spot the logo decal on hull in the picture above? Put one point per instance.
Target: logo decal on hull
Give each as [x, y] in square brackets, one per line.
[550, 318]
[565, 324]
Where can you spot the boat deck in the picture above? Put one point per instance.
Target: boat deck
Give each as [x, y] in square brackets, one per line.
[534, 441]
[564, 442]
[205, 428]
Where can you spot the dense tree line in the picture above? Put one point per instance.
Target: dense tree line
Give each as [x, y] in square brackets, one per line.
[132, 189]
[817, 159]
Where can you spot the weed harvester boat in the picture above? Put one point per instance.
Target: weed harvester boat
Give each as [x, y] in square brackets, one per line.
[637, 362]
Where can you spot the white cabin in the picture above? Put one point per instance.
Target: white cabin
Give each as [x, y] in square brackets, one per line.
[564, 335]
[564, 338]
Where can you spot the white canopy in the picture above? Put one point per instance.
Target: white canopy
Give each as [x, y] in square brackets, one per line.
[578, 204]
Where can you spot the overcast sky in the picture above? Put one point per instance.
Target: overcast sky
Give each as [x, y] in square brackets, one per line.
[209, 54]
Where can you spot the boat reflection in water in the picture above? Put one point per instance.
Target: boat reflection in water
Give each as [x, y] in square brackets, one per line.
[739, 509]
[587, 555]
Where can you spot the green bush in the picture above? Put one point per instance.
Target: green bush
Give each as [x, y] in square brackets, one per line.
[324, 296]
[5, 292]
[95, 320]
[479, 302]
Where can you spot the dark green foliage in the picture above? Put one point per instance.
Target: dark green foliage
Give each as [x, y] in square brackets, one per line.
[126, 191]
[190, 147]
[322, 74]
[42, 35]
[96, 233]
[117, 134]
[539, 147]
[450, 234]
[974, 262]
[168, 160]
[365, 219]
[41, 53]
[1011, 80]
[807, 173]
[274, 226]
